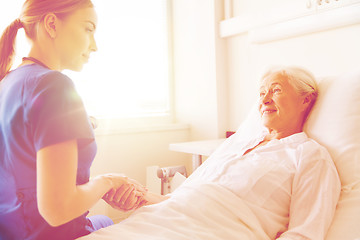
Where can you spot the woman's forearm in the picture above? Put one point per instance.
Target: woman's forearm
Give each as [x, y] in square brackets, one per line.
[152, 198]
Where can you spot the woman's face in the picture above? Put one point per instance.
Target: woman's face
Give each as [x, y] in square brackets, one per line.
[280, 106]
[75, 39]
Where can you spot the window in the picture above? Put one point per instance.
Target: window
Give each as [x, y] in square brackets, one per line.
[129, 76]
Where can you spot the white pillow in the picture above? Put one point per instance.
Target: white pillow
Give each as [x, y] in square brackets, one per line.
[345, 225]
[335, 123]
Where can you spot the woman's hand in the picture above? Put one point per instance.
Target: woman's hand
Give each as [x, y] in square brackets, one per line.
[124, 198]
[126, 194]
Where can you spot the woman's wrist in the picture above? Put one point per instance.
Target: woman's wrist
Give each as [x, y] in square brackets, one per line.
[153, 198]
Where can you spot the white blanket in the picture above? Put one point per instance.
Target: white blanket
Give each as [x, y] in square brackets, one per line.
[207, 212]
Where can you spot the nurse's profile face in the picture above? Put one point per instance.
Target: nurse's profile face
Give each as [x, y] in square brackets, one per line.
[75, 38]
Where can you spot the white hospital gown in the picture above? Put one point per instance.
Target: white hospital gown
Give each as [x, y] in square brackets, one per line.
[291, 184]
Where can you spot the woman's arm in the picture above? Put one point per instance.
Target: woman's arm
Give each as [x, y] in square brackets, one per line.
[152, 198]
[59, 198]
[315, 192]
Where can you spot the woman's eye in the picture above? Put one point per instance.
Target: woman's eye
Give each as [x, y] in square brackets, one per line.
[277, 90]
[262, 94]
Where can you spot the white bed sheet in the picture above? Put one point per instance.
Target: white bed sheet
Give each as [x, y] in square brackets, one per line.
[346, 223]
[208, 212]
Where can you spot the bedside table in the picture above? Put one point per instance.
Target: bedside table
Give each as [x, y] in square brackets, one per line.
[197, 149]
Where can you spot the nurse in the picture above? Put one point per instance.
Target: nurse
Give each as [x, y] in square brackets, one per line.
[47, 142]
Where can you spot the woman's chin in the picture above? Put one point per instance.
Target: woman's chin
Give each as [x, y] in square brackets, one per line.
[267, 123]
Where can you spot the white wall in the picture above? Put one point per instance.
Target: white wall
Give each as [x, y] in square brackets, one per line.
[324, 53]
[199, 67]
[216, 78]
[131, 152]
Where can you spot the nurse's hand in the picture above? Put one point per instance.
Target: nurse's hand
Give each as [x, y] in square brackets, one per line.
[117, 180]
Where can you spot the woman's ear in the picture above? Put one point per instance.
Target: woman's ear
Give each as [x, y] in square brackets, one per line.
[307, 100]
[51, 23]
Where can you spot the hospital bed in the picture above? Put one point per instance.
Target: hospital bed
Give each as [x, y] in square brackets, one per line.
[334, 122]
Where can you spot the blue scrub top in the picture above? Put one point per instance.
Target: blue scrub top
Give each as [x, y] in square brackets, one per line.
[39, 107]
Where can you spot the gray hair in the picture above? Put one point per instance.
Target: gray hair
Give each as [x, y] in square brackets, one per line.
[302, 80]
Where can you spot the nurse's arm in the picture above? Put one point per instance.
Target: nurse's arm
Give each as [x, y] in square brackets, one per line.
[59, 198]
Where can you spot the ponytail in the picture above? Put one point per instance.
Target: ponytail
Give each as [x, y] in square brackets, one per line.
[32, 13]
[7, 47]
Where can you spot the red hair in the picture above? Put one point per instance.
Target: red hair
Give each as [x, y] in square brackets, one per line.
[33, 12]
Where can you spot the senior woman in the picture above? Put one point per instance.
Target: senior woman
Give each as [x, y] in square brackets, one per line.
[275, 184]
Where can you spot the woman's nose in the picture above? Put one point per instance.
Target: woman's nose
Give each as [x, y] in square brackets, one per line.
[267, 98]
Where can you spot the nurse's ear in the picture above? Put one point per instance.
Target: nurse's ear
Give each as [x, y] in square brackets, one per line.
[51, 24]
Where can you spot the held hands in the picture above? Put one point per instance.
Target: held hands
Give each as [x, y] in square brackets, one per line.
[126, 194]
